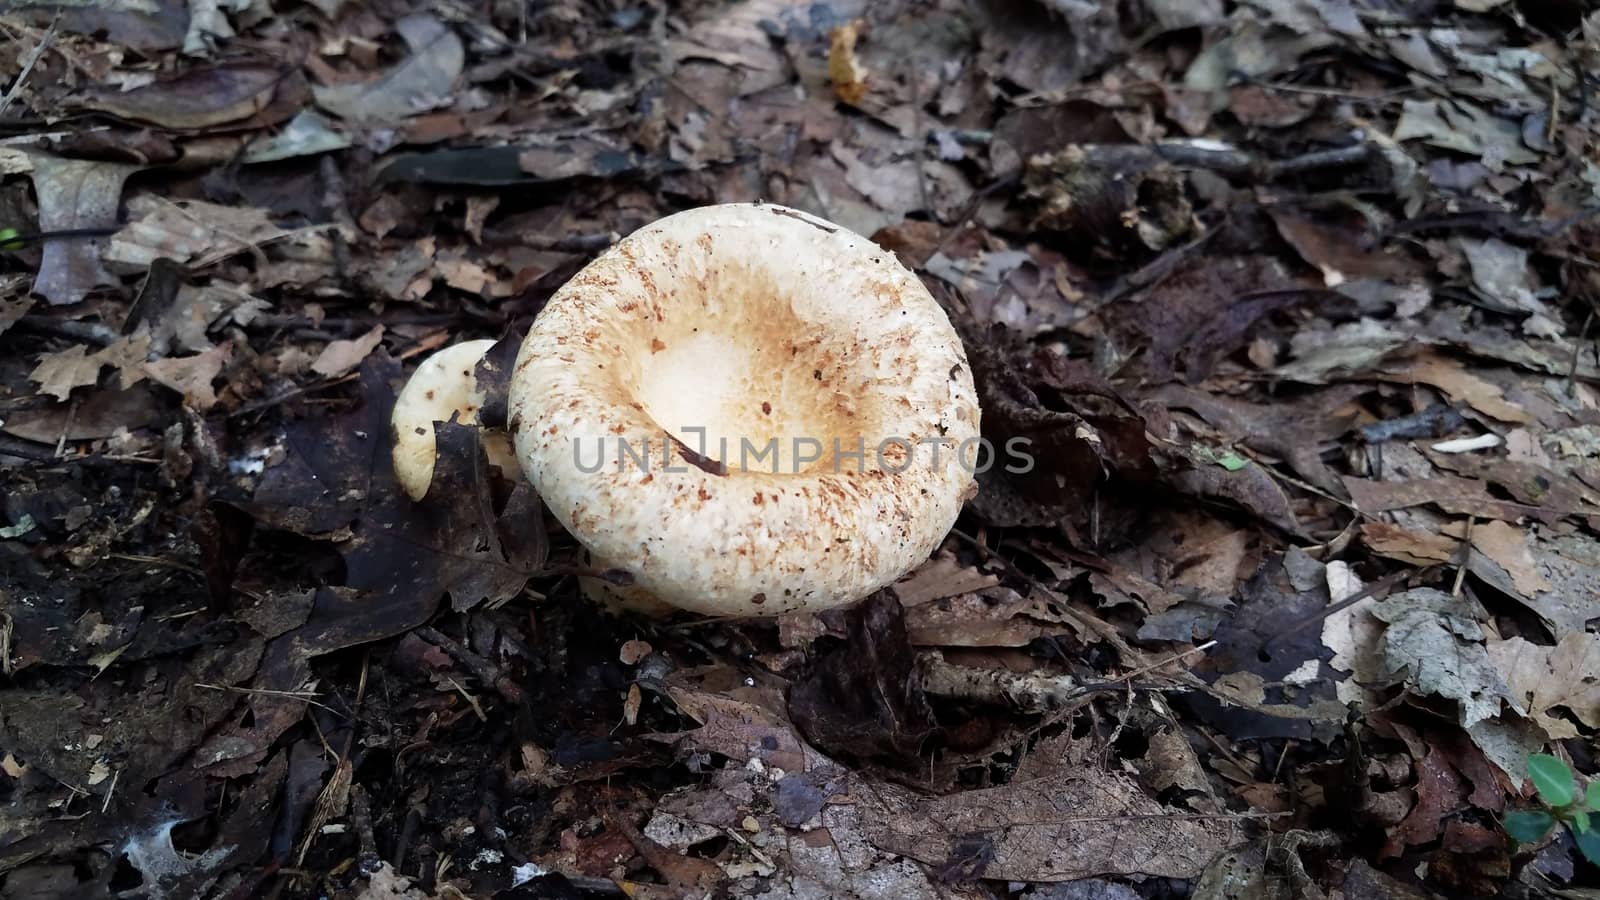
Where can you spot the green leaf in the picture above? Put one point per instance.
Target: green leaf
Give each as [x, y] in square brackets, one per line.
[1591, 796]
[1551, 778]
[8, 239]
[1527, 826]
[1580, 821]
[1589, 844]
[1227, 459]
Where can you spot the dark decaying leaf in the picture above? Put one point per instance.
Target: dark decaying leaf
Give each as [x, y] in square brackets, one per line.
[338, 473]
[199, 98]
[493, 377]
[507, 166]
[1050, 458]
[1268, 637]
[1206, 309]
[864, 699]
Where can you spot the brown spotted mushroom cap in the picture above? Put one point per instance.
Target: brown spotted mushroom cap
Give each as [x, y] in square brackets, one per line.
[441, 387]
[815, 394]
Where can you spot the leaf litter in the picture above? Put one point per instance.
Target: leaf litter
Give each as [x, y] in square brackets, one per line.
[1294, 300]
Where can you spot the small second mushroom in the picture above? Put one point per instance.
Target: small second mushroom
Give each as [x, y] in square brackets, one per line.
[750, 410]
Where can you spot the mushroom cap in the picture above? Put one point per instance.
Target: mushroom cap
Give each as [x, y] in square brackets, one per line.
[441, 387]
[795, 345]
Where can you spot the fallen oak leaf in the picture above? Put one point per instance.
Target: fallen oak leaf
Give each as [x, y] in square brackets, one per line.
[191, 376]
[58, 373]
[12, 309]
[341, 356]
[1548, 678]
[1450, 493]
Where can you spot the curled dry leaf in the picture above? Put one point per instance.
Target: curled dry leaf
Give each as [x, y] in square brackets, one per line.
[1507, 546]
[58, 373]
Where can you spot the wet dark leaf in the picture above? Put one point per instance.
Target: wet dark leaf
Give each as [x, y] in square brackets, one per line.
[864, 699]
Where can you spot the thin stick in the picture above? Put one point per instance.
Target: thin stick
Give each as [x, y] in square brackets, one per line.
[28, 64]
[1466, 557]
[1159, 663]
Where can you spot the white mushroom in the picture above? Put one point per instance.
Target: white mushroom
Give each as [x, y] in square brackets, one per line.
[823, 422]
[442, 387]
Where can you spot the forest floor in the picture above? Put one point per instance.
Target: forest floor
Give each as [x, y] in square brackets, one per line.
[1295, 298]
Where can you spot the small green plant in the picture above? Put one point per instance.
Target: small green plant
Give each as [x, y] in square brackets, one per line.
[1554, 783]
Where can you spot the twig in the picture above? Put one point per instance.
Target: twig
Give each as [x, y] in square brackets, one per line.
[349, 324]
[572, 243]
[66, 429]
[1240, 163]
[28, 64]
[7, 628]
[918, 137]
[111, 789]
[302, 696]
[482, 669]
[471, 700]
[1577, 350]
[1466, 557]
[93, 332]
[1159, 663]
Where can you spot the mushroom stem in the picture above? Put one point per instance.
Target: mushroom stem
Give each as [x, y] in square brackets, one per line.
[442, 388]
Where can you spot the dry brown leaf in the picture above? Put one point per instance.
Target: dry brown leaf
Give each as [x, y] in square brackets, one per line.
[58, 373]
[464, 275]
[1440, 792]
[1214, 566]
[1508, 547]
[340, 357]
[1459, 385]
[191, 376]
[190, 232]
[997, 617]
[1419, 548]
[940, 577]
[849, 76]
[1073, 824]
[1546, 678]
[199, 98]
[1464, 496]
